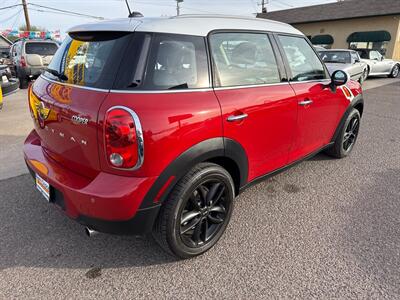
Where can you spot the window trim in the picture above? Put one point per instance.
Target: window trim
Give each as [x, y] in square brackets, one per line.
[279, 62]
[287, 65]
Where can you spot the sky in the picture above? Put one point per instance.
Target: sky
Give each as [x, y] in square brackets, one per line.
[109, 9]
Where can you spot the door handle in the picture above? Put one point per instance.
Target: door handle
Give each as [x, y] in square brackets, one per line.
[234, 118]
[305, 102]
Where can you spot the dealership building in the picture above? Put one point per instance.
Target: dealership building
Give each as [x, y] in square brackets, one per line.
[372, 24]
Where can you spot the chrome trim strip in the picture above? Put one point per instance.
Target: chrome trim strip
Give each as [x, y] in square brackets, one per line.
[249, 86]
[139, 137]
[309, 81]
[160, 91]
[75, 85]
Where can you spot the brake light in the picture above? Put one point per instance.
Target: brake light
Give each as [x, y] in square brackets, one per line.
[22, 61]
[32, 102]
[123, 138]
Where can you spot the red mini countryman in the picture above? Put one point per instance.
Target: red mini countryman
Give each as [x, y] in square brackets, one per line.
[156, 125]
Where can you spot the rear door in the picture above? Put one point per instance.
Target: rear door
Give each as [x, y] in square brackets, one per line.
[259, 110]
[318, 106]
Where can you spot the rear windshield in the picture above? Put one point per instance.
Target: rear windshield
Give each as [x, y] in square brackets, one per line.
[90, 60]
[335, 56]
[41, 48]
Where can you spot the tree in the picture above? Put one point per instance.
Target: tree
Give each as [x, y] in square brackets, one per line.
[33, 28]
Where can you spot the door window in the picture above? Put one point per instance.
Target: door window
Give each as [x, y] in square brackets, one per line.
[243, 59]
[375, 55]
[177, 62]
[355, 57]
[303, 61]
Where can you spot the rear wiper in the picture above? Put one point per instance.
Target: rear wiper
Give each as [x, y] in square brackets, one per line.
[179, 86]
[57, 74]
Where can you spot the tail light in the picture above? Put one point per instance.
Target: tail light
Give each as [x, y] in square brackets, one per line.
[32, 100]
[22, 61]
[123, 138]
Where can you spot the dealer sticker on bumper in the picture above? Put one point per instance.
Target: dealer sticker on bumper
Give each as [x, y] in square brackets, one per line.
[43, 186]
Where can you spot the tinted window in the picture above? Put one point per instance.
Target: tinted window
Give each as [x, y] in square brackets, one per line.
[243, 59]
[335, 57]
[304, 63]
[177, 62]
[41, 48]
[90, 60]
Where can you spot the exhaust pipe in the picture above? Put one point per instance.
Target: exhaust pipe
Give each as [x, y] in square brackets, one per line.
[90, 232]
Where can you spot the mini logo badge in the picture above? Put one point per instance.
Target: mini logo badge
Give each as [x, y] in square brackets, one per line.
[79, 120]
[42, 113]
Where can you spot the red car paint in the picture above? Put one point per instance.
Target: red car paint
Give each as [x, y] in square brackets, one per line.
[71, 155]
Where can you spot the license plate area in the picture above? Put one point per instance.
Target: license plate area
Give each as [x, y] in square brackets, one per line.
[43, 187]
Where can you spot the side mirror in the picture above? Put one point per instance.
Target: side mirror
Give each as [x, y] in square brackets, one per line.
[339, 78]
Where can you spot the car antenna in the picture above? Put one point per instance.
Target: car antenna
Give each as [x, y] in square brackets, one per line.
[133, 14]
[129, 9]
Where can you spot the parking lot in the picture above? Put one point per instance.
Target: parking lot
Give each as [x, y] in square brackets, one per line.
[324, 229]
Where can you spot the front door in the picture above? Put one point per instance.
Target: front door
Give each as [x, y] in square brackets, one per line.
[318, 106]
[258, 110]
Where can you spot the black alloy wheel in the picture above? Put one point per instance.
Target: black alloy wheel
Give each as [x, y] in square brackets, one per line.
[196, 212]
[204, 213]
[347, 137]
[351, 133]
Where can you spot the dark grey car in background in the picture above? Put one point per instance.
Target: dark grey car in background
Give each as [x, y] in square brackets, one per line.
[345, 60]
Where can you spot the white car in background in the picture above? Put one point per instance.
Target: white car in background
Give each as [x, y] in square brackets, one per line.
[345, 60]
[378, 65]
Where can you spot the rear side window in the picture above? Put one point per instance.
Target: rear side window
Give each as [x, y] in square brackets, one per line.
[243, 59]
[40, 48]
[90, 59]
[303, 61]
[176, 62]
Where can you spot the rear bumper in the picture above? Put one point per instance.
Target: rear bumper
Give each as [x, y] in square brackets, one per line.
[106, 203]
[10, 87]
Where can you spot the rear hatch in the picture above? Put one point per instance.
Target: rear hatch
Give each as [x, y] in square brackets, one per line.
[66, 99]
[39, 54]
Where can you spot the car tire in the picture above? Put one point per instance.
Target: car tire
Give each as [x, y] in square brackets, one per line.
[395, 71]
[190, 222]
[347, 137]
[23, 82]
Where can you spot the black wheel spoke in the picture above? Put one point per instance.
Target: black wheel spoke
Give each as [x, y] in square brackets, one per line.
[186, 228]
[197, 232]
[203, 194]
[215, 220]
[189, 216]
[206, 231]
[354, 125]
[212, 192]
[218, 209]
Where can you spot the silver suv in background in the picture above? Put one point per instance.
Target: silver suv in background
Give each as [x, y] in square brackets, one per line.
[30, 57]
[378, 64]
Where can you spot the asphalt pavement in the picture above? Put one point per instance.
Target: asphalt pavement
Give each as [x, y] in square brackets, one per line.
[326, 228]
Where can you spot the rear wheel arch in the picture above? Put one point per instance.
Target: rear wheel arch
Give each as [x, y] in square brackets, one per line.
[360, 107]
[227, 153]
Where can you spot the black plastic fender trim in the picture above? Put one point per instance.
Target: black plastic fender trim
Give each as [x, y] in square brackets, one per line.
[357, 100]
[203, 151]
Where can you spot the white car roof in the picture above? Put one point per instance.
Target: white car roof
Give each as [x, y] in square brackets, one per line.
[199, 25]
